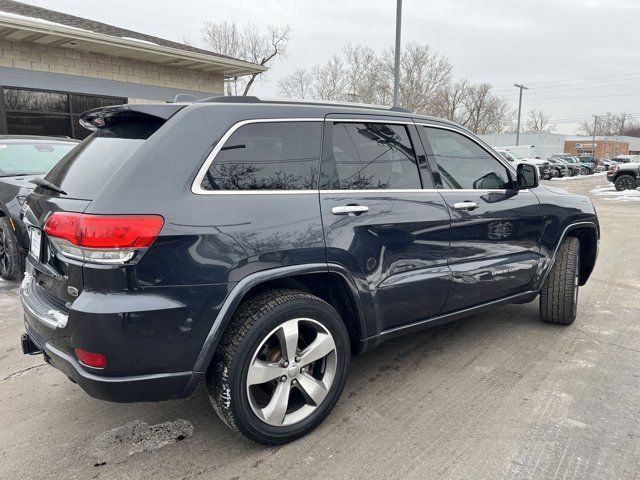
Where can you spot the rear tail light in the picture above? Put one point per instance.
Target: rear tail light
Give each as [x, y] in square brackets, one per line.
[101, 238]
[91, 359]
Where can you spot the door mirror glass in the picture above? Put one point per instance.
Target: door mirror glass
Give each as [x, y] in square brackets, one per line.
[527, 176]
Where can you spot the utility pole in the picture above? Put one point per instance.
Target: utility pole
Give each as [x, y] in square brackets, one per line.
[595, 126]
[396, 66]
[521, 87]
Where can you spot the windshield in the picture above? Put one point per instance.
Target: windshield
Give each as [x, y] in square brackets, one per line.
[31, 157]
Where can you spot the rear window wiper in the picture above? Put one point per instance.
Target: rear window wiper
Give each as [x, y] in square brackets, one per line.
[41, 182]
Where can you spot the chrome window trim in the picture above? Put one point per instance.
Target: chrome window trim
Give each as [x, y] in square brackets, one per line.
[197, 189]
[196, 186]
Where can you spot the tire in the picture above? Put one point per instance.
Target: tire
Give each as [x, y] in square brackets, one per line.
[625, 182]
[256, 337]
[11, 255]
[584, 171]
[555, 174]
[559, 295]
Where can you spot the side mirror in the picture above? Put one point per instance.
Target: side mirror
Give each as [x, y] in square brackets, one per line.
[527, 176]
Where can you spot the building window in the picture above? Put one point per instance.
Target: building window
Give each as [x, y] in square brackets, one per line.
[41, 112]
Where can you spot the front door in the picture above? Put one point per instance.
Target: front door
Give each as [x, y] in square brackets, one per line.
[495, 229]
[378, 221]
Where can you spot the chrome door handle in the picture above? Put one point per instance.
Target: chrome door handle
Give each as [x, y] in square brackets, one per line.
[465, 205]
[350, 210]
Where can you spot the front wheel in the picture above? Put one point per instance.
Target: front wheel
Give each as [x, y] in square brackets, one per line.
[625, 182]
[559, 295]
[281, 366]
[11, 255]
[584, 171]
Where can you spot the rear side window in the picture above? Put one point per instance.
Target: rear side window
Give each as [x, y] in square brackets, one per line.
[371, 156]
[86, 169]
[268, 156]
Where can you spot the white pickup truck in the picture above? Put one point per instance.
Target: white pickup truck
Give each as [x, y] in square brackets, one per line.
[544, 167]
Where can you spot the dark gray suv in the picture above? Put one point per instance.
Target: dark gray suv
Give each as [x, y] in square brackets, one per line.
[258, 245]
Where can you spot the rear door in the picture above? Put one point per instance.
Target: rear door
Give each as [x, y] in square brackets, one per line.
[495, 229]
[378, 221]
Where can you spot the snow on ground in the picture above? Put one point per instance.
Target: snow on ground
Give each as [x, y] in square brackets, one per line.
[609, 192]
[577, 177]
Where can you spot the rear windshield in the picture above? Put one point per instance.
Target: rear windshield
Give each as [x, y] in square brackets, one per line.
[31, 158]
[93, 163]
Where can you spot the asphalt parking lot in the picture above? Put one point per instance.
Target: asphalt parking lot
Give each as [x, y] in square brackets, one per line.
[500, 395]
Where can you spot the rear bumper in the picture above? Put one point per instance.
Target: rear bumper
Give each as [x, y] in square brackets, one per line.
[138, 388]
[55, 333]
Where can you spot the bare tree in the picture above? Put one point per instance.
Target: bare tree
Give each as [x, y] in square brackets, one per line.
[297, 85]
[246, 43]
[611, 124]
[426, 86]
[329, 80]
[451, 101]
[538, 122]
[423, 74]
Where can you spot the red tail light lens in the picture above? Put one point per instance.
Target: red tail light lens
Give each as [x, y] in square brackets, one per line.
[91, 359]
[104, 231]
[101, 238]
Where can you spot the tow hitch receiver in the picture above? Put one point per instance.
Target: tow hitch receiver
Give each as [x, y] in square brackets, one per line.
[28, 347]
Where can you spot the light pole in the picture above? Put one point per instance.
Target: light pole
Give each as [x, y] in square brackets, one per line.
[521, 87]
[595, 125]
[396, 65]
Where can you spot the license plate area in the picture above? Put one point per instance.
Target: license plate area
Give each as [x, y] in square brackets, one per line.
[35, 243]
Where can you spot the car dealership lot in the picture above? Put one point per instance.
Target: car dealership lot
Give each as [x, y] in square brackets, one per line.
[499, 395]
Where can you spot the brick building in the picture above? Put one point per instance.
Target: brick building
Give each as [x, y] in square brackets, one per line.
[602, 147]
[54, 66]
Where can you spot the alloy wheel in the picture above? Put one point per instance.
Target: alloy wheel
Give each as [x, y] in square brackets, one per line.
[291, 372]
[4, 254]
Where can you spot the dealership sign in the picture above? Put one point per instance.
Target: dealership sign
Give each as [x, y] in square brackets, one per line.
[586, 145]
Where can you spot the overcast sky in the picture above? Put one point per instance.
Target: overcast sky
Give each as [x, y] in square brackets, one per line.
[579, 57]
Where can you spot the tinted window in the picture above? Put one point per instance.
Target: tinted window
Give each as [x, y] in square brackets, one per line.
[36, 124]
[371, 156]
[39, 112]
[35, 100]
[31, 157]
[92, 164]
[268, 156]
[463, 164]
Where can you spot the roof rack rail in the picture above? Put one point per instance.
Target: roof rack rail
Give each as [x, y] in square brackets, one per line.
[229, 99]
[400, 109]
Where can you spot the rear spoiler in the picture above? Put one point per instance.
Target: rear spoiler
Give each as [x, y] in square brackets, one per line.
[103, 116]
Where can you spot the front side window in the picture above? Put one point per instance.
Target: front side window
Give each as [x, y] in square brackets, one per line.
[371, 156]
[463, 164]
[268, 156]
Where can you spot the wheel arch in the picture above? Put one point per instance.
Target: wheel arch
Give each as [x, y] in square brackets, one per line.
[332, 283]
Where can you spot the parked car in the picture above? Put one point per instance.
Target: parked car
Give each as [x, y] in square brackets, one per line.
[608, 163]
[22, 158]
[574, 169]
[288, 237]
[559, 168]
[585, 167]
[627, 158]
[625, 176]
[543, 166]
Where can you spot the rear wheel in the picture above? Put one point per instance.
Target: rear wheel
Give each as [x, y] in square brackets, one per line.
[281, 366]
[625, 182]
[584, 171]
[11, 255]
[559, 295]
